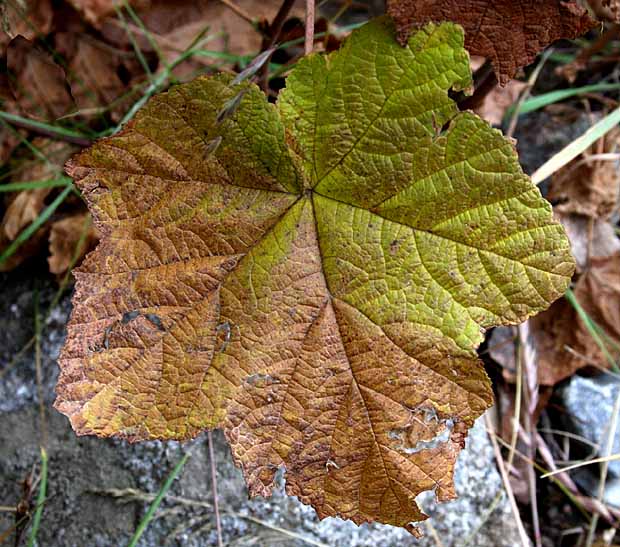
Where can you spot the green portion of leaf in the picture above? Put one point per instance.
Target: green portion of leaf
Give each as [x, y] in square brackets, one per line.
[357, 115]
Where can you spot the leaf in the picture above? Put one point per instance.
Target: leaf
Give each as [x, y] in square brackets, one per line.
[38, 84]
[590, 184]
[508, 32]
[317, 282]
[28, 18]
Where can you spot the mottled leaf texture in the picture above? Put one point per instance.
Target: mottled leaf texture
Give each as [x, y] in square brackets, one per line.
[312, 276]
[508, 32]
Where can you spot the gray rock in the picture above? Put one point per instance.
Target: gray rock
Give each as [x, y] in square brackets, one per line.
[589, 403]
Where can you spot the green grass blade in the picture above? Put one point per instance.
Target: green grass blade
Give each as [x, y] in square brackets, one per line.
[134, 43]
[145, 32]
[36, 521]
[540, 101]
[35, 225]
[157, 501]
[34, 184]
[48, 128]
[576, 147]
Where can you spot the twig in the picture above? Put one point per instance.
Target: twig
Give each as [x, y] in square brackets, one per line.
[309, 39]
[216, 507]
[502, 469]
[239, 11]
[531, 81]
[602, 459]
[280, 530]
[271, 37]
[433, 531]
[527, 354]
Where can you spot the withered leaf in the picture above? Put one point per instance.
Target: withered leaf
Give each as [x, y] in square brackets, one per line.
[589, 185]
[508, 32]
[38, 83]
[318, 282]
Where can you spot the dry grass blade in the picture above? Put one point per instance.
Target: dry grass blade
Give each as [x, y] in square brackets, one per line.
[525, 542]
[603, 476]
[216, 506]
[602, 459]
[527, 354]
[576, 147]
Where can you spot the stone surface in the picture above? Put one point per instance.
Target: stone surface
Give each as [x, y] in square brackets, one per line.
[85, 471]
[589, 404]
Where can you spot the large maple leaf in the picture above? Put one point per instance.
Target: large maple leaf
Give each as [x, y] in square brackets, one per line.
[511, 33]
[314, 276]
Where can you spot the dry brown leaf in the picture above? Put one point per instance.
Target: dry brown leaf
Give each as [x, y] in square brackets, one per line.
[24, 207]
[70, 239]
[93, 72]
[37, 82]
[598, 292]
[94, 11]
[494, 106]
[23, 210]
[589, 186]
[508, 32]
[552, 332]
[27, 18]
[607, 10]
[589, 237]
[174, 25]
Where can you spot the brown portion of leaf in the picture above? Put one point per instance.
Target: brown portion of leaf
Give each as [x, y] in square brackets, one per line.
[508, 32]
[37, 82]
[589, 186]
[154, 297]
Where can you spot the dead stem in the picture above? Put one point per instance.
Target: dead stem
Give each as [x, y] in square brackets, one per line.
[216, 507]
[239, 11]
[506, 480]
[309, 41]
